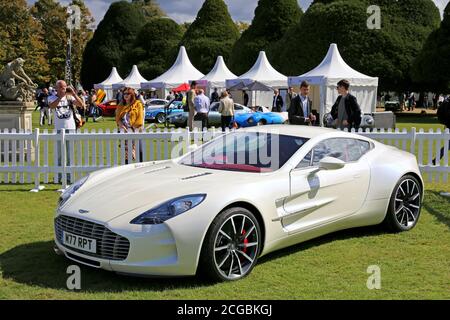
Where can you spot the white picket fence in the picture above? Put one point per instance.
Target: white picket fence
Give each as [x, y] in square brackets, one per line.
[32, 157]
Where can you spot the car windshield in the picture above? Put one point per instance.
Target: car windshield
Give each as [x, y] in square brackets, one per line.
[246, 152]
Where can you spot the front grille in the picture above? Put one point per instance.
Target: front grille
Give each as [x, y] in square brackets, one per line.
[110, 246]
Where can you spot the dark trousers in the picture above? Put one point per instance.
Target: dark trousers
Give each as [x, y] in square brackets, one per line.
[225, 121]
[203, 117]
[276, 109]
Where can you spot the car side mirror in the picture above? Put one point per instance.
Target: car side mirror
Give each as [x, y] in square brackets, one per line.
[330, 163]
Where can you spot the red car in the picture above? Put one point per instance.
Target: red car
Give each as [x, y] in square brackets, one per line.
[108, 109]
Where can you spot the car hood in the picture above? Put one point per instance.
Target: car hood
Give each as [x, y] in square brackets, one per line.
[144, 186]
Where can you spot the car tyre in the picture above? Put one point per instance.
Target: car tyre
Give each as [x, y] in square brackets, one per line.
[231, 246]
[405, 205]
[160, 118]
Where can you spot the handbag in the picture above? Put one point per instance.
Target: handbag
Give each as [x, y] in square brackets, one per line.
[79, 121]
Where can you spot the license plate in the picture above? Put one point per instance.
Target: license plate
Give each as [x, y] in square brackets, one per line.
[79, 242]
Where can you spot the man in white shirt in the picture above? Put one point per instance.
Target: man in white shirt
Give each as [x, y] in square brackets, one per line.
[63, 103]
[300, 111]
[201, 104]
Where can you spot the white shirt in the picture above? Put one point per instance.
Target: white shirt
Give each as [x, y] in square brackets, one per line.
[201, 103]
[305, 106]
[63, 114]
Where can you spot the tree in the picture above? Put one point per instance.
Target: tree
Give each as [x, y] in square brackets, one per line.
[22, 36]
[272, 19]
[53, 18]
[150, 8]
[81, 37]
[387, 52]
[154, 48]
[213, 33]
[113, 37]
[432, 66]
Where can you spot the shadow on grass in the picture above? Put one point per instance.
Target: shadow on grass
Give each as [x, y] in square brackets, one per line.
[36, 264]
[438, 206]
[359, 233]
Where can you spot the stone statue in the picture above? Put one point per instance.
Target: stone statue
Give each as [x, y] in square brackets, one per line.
[15, 85]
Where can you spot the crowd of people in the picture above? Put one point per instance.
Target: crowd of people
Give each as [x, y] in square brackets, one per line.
[412, 100]
[63, 105]
[346, 112]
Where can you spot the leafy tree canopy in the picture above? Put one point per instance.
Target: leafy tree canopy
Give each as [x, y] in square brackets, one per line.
[387, 52]
[155, 47]
[271, 21]
[212, 34]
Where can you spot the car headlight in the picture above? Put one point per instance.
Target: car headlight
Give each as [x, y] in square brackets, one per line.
[169, 209]
[70, 191]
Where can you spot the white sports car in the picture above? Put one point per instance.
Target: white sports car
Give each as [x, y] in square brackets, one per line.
[217, 209]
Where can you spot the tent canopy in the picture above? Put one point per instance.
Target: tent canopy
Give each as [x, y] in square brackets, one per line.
[133, 80]
[262, 71]
[113, 78]
[253, 86]
[326, 76]
[219, 74]
[181, 72]
[332, 69]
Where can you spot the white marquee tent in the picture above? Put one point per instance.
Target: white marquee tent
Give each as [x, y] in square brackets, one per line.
[328, 73]
[217, 77]
[262, 71]
[181, 72]
[133, 80]
[106, 85]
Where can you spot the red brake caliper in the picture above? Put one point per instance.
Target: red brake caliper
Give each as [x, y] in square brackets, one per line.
[245, 242]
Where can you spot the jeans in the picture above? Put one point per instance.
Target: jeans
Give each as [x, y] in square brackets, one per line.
[58, 146]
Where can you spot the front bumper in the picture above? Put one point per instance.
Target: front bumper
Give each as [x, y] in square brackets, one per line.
[154, 249]
[152, 252]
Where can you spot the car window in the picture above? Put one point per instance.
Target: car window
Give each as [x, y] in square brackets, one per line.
[160, 102]
[345, 149]
[246, 151]
[306, 161]
[238, 107]
[214, 107]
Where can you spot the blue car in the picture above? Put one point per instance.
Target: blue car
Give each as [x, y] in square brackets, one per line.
[260, 118]
[158, 115]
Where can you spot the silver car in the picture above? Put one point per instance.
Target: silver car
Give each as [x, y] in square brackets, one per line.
[180, 119]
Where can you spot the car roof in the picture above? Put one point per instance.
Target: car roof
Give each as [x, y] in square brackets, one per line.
[302, 131]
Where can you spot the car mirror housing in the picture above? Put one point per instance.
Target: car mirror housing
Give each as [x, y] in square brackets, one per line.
[330, 163]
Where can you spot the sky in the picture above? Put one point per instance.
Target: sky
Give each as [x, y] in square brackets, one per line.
[186, 10]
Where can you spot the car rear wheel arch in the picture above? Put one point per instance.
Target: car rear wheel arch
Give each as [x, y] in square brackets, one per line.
[389, 221]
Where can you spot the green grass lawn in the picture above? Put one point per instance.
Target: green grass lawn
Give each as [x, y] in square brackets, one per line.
[414, 265]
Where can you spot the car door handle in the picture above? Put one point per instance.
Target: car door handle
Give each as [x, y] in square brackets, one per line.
[357, 175]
